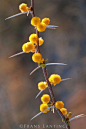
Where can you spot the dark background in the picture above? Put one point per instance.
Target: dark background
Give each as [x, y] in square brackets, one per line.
[67, 44]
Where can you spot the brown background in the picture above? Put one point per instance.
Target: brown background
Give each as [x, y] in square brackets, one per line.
[67, 45]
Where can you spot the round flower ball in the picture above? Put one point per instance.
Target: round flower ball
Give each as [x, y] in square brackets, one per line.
[46, 21]
[42, 85]
[27, 47]
[33, 38]
[59, 104]
[55, 79]
[45, 98]
[64, 111]
[23, 7]
[44, 107]
[35, 21]
[37, 57]
[41, 27]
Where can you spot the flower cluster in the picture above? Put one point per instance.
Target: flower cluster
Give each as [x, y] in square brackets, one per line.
[54, 79]
[45, 100]
[40, 25]
[60, 105]
[30, 47]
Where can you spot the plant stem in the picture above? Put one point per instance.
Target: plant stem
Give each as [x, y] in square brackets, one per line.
[63, 117]
[37, 47]
[32, 7]
[49, 85]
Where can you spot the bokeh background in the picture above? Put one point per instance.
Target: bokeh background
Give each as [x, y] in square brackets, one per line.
[67, 44]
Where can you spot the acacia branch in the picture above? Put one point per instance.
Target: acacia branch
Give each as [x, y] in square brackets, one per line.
[46, 75]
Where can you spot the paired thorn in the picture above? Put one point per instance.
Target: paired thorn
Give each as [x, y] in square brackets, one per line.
[46, 65]
[78, 116]
[17, 54]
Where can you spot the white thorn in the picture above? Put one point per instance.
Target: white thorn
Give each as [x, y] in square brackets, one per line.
[35, 69]
[17, 15]
[38, 94]
[65, 79]
[39, 113]
[52, 27]
[17, 54]
[78, 116]
[53, 109]
[55, 64]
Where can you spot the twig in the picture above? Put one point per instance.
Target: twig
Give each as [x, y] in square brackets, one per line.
[49, 85]
[63, 117]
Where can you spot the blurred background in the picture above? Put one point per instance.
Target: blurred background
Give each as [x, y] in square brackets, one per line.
[66, 44]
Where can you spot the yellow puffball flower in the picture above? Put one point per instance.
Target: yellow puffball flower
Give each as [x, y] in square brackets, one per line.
[35, 21]
[64, 111]
[55, 79]
[46, 21]
[43, 107]
[41, 27]
[27, 47]
[42, 85]
[40, 41]
[33, 38]
[23, 7]
[37, 57]
[59, 104]
[45, 98]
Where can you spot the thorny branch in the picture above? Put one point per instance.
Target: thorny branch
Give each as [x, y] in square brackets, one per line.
[46, 75]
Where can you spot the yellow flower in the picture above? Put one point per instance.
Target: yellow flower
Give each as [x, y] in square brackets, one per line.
[44, 107]
[59, 104]
[33, 38]
[46, 21]
[55, 79]
[42, 85]
[27, 47]
[41, 27]
[40, 41]
[35, 21]
[37, 57]
[64, 111]
[23, 7]
[45, 98]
